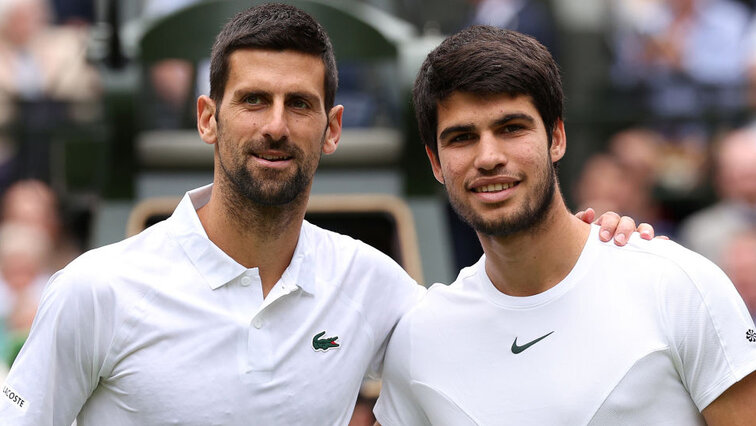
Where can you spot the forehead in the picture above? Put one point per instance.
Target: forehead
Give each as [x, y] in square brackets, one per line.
[464, 108]
[273, 70]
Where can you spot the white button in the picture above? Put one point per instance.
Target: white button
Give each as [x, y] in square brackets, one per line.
[257, 323]
[245, 281]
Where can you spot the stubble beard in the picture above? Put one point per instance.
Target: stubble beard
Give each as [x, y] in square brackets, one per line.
[529, 216]
[269, 188]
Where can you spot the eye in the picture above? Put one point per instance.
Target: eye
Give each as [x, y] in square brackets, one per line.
[253, 99]
[462, 137]
[511, 128]
[299, 103]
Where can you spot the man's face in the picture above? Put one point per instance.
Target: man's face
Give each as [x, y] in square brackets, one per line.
[272, 126]
[494, 160]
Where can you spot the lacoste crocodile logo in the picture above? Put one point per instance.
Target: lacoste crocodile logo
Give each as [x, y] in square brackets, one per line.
[325, 343]
[516, 349]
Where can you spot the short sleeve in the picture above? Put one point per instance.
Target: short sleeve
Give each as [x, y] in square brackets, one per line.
[397, 404]
[711, 331]
[398, 294]
[58, 366]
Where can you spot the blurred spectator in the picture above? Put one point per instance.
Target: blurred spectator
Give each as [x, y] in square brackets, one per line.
[33, 203]
[33, 244]
[688, 54]
[40, 60]
[637, 149]
[604, 187]
[42, 67]
[739, 262]
[709, 230]
[623, 180]
[24, 271]
[24, 252]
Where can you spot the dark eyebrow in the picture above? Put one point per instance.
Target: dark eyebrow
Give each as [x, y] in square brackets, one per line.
[303, 95]
[517, 116]
[243, 93]
[456, 129]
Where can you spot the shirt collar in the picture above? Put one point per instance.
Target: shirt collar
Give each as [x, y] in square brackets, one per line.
[215, 266]
[300, 271]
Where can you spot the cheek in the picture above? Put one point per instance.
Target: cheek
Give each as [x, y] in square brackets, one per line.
[534, 158]
[307, 130]
[454, 172]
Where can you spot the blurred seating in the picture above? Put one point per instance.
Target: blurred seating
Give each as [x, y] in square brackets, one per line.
[383, 221]
[48, 92]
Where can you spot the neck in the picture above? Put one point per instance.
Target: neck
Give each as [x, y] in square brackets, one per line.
[534, 260]
[253, 235]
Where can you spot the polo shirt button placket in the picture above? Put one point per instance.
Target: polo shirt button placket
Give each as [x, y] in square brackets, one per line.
[246, 281]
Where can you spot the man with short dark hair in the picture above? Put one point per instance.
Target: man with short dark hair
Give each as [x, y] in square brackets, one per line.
[233, 311]
[551, 326]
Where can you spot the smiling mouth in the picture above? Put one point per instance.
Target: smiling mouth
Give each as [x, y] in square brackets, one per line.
[494, 187]
[272, 157]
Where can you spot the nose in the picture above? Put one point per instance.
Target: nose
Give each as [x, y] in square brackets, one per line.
[276, 126]
[490, 153]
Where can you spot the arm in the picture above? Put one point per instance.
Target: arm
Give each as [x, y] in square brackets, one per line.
[736, 406]
[614, 226]
[397, 404]
[711, 333]
[55, 371]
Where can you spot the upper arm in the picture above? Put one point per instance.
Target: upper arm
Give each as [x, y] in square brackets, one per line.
[736, 406]
[397, 404]
[709, 328]
[58, 366]
[397, 293]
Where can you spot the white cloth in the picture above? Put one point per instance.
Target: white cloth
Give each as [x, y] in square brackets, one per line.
[650, 333]
[165, 328]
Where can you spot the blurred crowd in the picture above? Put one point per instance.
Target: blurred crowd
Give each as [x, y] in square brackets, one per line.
[43, 76]
[33, 245]
[684, 159]
[45, 82]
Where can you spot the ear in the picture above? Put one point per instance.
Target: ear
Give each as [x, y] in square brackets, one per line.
[558, 142]
[435, 164]
[206, 124]
[333, 131]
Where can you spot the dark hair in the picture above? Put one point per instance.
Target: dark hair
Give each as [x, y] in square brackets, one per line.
[277, 27]
[484, 61]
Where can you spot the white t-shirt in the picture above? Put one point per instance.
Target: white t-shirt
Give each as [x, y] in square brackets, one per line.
[165, 328]
[650, 333]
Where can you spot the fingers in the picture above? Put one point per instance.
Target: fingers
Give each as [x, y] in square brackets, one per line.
[646, 231]
[625, 228]
[587, 215]
[608, 222]
[612, 225]
[619, 228]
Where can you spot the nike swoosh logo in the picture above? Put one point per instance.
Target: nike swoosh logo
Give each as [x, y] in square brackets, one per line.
[516, 349]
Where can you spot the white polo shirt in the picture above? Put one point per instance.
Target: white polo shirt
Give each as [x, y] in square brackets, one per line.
[165, 328]
[646, 334]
